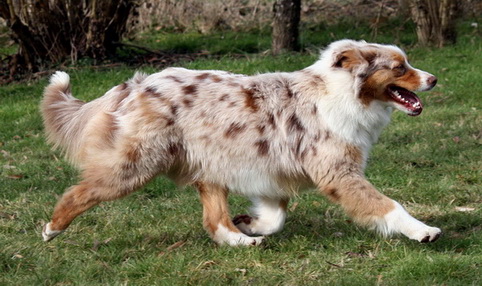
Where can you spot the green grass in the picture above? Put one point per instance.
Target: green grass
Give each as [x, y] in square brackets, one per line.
[430, 163]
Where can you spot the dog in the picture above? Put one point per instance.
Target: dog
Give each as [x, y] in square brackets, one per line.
[265, 136]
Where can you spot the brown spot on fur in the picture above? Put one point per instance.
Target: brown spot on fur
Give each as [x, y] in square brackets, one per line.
[354, 153]
[250, 100]
[133, 153]
[297, 147]
[289, 92]
[187, 102]
[234, 129]
[151, 90]
[303, 154]
[314, 150]
[261, 129]
[314, 111]
[315, 81]
[271, 120]
[327, 135]
[174, 109]
[317, 137]
[224, 97]
[202, 76]
[122, 86]
[170, 121]
[174, 78]
[216, 78]
[294, 124]
[340, 164]
[173, 149]
[190, 89]
[333, 194]
[263, 147]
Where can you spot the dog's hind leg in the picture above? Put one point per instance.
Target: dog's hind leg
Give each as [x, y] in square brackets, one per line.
[216, 218]
[268, 216]
[75, 201]
[100, 184]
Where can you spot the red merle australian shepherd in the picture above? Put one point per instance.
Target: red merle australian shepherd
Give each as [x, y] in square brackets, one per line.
[264, 136]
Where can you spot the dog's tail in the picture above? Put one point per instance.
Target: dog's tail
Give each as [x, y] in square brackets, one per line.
[63, 115]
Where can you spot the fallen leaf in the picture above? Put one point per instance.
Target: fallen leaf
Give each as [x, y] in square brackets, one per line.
[7, 216]
[338, 234]
[206, 264]
[380, 279]
[293, 206]
[242, 270]
[5, 153]
[176, 245]
[333, 264]
[97, 243]
[15, 177]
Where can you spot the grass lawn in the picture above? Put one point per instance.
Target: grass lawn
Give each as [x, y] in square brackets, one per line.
[432, 164]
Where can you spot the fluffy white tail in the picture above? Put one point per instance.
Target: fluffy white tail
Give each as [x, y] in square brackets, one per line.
[63, 117]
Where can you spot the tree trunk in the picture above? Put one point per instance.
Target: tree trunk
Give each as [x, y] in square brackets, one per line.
[435, 20]
[55, 30]
[285, 25]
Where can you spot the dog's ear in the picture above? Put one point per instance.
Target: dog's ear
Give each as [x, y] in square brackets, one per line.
[349, 59]
[357, 61]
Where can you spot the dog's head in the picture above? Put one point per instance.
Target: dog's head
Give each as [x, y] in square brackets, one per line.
[381, 72]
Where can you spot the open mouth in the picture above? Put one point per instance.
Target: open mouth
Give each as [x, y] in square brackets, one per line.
[408, 99]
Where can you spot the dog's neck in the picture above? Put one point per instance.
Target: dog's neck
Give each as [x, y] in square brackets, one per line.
[341, 111]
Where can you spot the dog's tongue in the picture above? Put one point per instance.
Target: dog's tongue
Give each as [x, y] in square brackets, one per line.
[407, 98]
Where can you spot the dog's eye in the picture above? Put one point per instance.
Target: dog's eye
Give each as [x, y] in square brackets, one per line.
[400, 69]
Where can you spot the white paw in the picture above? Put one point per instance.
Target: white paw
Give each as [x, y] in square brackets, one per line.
[426, 234]
[225, 236]
[255, 226]
[48, 234]
[399, 221]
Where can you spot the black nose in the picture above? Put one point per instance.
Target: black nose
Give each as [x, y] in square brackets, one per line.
[432, 81]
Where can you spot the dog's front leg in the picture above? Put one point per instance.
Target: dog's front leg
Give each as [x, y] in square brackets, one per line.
[216, 218]
[368, 207]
